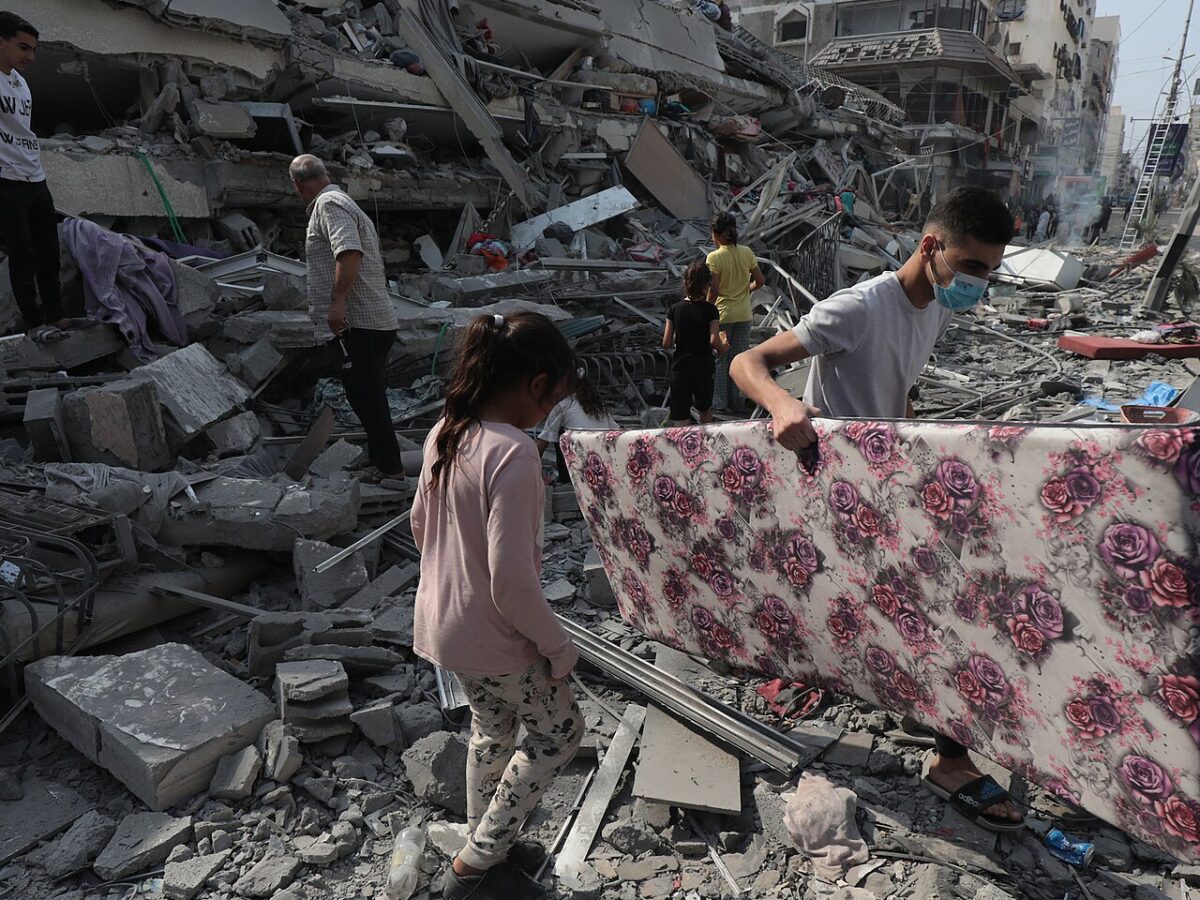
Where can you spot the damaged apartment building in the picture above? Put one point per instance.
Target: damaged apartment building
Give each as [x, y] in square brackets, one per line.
[188, 111]
[1010, 94]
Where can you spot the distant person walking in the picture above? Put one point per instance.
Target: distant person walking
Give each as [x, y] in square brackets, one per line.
[1043, 226]
[735, 275]
[28, 226]
[349, 305]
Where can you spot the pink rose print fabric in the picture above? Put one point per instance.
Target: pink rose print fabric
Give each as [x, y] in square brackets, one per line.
[1028, 590]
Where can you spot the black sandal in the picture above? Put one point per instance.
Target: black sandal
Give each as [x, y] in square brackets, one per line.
[973, 798]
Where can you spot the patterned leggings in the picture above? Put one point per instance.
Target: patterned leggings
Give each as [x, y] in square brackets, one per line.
[726, 394]
[504, 781]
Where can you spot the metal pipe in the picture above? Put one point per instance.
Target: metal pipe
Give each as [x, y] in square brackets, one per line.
[323, 567]
[730, 725]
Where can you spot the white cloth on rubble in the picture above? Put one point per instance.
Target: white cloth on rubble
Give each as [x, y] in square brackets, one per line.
[820, 818]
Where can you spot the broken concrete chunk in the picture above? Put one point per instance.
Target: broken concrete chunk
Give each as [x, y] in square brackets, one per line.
[142, 841]
[119, 424]
[223, 120]
[359, 661]
[284, 291]
[261, 515]
[235, 435]
[255, 363]
[194, 387]
[437, 767]
[389, 584]
[281, 328]
[337, 457]
[280, 750]
[395, 624]
[75, 849]
[559, 591]
[236, 774]
[45, 426]
[377, 722]
[184, 879]
[310, 679]
[417, 721]
[270, 874]
[330, 588]
[196, 294]
[163, 733]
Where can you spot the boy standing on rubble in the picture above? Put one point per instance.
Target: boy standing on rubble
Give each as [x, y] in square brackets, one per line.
[868, 344]
[348, 300]
[28, 226]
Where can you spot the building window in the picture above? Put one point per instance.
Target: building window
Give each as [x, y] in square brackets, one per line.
[865, 17]
[1014, 49]
[792, 27]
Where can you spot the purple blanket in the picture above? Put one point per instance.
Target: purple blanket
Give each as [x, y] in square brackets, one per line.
[125, 284]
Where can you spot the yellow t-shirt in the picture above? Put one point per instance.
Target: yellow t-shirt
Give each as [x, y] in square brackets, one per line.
[733, 263]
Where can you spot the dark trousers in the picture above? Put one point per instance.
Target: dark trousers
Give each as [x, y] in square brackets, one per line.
[948, 747]
[366, 390]
[30, 232]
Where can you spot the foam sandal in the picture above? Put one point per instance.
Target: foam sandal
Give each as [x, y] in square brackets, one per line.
[973, 798]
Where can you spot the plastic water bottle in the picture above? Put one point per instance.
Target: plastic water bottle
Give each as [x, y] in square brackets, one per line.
[406, 864]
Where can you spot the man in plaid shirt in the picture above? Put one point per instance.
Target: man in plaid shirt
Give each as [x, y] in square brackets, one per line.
[349, 304]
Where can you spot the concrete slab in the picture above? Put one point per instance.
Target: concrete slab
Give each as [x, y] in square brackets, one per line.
[223, 120]
[194, 387]
[597, 208]
[680, 766]
[261, 515]
[142, 841]
[158, 720]
[852, 749]
[310, 680]
[45, 809]
[665, 173]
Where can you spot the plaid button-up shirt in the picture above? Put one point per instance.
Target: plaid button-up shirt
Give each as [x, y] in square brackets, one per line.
[337, 224]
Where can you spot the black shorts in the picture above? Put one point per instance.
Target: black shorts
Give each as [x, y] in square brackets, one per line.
[691, 386]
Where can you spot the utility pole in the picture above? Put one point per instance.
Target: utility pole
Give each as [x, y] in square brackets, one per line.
[1173, 98]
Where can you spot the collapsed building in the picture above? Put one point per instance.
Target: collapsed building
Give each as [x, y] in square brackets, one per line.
[177, 513]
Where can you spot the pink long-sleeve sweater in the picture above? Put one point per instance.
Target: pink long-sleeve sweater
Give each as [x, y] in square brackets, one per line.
[480, 607]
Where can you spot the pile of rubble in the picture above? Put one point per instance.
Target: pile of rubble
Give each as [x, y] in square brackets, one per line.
[211, 617]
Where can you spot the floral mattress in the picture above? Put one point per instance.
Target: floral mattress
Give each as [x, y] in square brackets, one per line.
[1027, 590]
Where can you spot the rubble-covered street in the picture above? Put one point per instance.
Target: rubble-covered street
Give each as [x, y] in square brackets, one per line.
[207, 613]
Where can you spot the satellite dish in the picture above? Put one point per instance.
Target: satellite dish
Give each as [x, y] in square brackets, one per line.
[994, 39]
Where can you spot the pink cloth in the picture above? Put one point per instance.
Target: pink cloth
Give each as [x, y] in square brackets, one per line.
[480, 607]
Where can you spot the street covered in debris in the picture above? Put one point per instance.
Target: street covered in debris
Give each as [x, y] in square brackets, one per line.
[209, 571]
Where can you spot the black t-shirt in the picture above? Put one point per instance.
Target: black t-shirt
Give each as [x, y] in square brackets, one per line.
[691, 321]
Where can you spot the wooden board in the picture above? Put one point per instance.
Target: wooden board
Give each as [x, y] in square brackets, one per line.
[663, 171]
[1027, 590]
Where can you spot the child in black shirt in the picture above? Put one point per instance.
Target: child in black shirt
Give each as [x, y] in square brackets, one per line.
[693, 329]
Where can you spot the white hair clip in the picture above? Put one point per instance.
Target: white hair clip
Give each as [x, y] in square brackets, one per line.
[499, 320]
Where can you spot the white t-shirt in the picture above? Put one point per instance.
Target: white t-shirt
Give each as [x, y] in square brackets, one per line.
[20, 154]
[568, 415]
[870, 345]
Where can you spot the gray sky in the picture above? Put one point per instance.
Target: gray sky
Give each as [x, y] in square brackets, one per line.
[1150, 29]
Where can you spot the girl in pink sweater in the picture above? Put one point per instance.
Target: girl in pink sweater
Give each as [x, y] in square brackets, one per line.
[477, 520]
